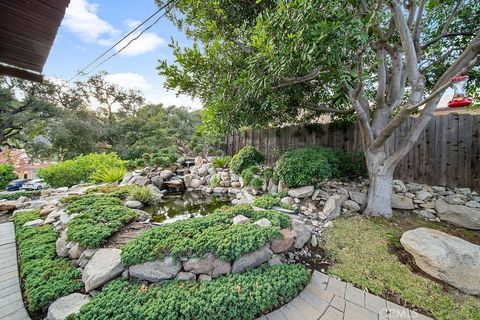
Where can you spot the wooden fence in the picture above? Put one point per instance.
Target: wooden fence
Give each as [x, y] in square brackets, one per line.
[447, 153]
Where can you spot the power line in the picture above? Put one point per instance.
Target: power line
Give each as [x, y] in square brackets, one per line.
[125, 37]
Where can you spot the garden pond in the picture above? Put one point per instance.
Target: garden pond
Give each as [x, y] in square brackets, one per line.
[180, 206]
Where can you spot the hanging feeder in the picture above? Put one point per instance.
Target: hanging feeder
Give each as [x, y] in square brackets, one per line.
[460, 94]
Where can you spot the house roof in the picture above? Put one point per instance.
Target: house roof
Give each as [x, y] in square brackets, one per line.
[27, 31]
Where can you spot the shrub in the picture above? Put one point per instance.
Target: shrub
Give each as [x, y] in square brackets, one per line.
[267, 201]
[7, 174]
[111, 189]
[46, 277]
[305, 166]
[257, 183]
[214, 181]
[80, 169]
[245, 158]
[249, 174]
[221, 162]
[18, 194]
[142, 194]
[268, 173]
[99, 218]
[108, 175]
[242, 296]
[213, 233]
[218, 153]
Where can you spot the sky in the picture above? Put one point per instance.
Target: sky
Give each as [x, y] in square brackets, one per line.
[92, 26]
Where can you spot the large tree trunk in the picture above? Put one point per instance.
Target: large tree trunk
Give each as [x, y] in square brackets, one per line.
[380, 189]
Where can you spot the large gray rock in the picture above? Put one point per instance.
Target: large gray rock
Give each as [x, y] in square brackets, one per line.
[284, 244]
[8, 206]
[155, 271]
[104, 265]
[61, 245]
[133, 204]
[65, 306]
[240, 219]
[358, 197]
[458, 215]
[445, 257]
[157, 181]
[33, 223]
[351, 205]
[302, 233]
[252, 260]
[209, 264]
[302, 192]
[402, 202]
[333, 206]
[75, 251]
[166, 174]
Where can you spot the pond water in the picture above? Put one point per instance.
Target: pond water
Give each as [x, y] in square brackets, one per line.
[186, 205]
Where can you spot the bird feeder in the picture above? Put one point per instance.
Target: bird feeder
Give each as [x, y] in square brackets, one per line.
[460, 94]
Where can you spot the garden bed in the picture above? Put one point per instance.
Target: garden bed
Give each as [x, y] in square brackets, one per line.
[362, 253]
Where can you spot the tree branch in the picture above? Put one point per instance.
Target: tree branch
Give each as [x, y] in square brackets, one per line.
[289, 81]
[447, 35]
[315, 107]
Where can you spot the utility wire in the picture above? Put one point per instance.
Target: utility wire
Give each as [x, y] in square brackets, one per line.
[125, 37]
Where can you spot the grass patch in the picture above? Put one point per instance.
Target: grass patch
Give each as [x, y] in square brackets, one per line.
[243, 296]
[99, 217]
[360, 249]
[17, 194]
[46, 278]
[213, 233]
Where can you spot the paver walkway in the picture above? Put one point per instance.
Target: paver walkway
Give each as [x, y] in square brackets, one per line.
[11, 303]
[327, 298]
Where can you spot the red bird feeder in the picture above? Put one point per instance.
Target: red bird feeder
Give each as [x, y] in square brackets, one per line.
[459, 96]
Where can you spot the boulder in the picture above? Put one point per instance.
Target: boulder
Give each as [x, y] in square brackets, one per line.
[155, 271]
[203, 170]
[166, 174]
[52, 217]
[302, 233]
[358, 197]
[75, 251]
[252, 260]
[140, 180]
[445, 257]
[425, 214]
[186, 276]
[454, 199]
[198, 161]
[61, 245]
[399, 186]
[187, 180]
[209, 264]
[287, 200]
[133, 204]
[285, 244]
[7, 206]
[46, 210]
[104, 265]
[195, 183]
[422, 195]
[204, 278]
[264, 223]
[458, 215]
[275, 260]
[302, 192]
[351, 205]
[37, 204]
[402, 202]
[33, 223]
[65, 306]
[333, 206]
[240, 219]
[157, 181]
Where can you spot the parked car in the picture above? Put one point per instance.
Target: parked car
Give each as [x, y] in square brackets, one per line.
[36, 184]
[15, 185]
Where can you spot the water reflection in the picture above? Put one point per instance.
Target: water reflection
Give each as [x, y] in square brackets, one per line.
[186, 205]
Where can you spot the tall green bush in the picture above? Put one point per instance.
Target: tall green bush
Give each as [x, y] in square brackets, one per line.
[308, 165]
[7, 174]
[245, 158]
[80, 169]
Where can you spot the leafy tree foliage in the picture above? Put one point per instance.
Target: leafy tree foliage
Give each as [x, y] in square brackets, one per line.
[281, 61]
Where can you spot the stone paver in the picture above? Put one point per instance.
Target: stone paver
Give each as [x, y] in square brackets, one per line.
[328, 298]
[11, 302]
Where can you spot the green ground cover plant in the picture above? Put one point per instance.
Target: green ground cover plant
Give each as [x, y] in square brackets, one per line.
[46, 277]
[268, 201]
[99, 217]
[18, 194]
[213, 233]
[305, 166]
[245, 158]
[243, 296]
[7, 174]
[80, 169]
[360, 249]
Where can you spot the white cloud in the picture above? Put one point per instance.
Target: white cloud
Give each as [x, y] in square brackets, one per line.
[147, 42]
[130, 23]
[129, 80]
[81, 19]
[169, 99]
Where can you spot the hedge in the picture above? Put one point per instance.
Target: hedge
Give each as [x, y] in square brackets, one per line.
[7, 174]
[245, 158]
[214, 233]
[243, 296]
[18, 194]
[99, 217]
[46, 277]
[305, 166]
